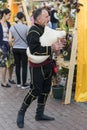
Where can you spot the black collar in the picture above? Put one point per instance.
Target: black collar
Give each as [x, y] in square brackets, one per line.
[42, 28]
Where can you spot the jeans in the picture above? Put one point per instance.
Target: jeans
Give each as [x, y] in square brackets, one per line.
[54, 26]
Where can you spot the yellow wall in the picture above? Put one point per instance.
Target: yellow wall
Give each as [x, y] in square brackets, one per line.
[81, 84]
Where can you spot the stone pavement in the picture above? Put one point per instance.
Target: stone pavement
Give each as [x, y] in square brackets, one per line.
[67, 117]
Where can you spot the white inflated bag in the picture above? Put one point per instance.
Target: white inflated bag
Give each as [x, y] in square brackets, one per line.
[49, 37]
[34, 58]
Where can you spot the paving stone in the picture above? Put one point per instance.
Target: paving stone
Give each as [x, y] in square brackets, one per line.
[67, 117]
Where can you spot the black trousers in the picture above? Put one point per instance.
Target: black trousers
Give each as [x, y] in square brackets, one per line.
[21, 62]
[41, 78]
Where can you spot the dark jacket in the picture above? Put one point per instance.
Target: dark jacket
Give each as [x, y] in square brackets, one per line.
[1, 32]
[33, 41]
[34, 44]
[4, 45]
[52, 18]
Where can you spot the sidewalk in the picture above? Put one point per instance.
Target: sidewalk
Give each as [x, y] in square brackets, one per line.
[67, 117]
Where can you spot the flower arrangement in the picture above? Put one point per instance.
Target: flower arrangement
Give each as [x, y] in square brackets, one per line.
[59, 83]
[67, 16]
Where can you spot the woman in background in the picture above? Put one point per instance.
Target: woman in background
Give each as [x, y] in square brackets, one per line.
[5, 48]
[19, 32]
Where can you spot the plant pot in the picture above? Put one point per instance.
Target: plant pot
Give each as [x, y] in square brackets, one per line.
[57, 91]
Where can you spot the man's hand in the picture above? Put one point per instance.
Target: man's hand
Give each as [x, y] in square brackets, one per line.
[59, 45]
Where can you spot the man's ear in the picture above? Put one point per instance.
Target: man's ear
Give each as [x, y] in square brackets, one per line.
[4, 15]
[38, 19]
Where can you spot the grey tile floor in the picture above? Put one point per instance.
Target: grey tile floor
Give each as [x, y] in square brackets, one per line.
[67, 117]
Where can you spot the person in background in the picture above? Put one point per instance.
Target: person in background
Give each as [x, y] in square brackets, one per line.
[49, 11]
[41, 73]
[31, 17]
[18, 32]
[54, 18]
[5, 61]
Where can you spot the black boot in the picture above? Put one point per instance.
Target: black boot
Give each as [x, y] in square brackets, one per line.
[40, 114]
[20, 116]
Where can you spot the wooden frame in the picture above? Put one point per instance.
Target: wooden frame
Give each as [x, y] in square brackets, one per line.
[70, 65]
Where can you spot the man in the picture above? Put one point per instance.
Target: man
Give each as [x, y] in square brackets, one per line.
[41, 74]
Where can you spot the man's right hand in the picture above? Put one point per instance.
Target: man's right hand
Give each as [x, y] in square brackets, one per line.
[57, 46]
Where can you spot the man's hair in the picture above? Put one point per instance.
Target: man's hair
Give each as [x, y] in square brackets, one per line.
[20, 15]
[38, 12]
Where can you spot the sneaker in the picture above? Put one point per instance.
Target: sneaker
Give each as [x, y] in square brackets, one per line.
[18, 85]
[11, 81]
[25, 86]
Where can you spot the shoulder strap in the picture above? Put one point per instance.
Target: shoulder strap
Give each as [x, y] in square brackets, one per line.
[19, 34]
[38, 28]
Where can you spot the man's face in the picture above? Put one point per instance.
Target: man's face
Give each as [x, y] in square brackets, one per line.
[44, 18]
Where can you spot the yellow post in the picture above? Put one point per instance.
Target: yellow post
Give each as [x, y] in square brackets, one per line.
[81, 83]
[14, 9]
